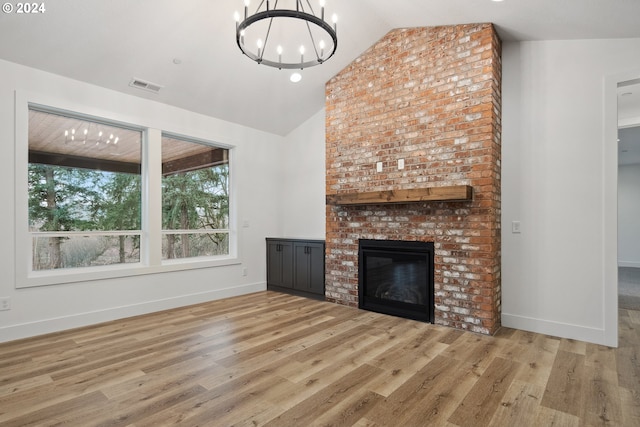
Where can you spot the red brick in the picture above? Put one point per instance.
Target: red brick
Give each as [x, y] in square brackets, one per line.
[436, 104]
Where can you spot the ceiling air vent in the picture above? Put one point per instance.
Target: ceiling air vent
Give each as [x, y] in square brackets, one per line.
[148, 86]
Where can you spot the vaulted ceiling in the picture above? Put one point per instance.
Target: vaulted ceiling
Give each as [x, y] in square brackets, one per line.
[188, 47]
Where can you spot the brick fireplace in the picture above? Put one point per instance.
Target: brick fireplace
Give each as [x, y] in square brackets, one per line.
[429, 98]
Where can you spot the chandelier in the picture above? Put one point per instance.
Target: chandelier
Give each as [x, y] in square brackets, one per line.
[90, 135]
[288, 38]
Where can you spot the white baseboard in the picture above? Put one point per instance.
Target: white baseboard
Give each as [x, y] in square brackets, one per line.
[631, 264]
[557, 329]
[40, 327]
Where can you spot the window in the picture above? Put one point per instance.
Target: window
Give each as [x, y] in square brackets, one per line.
[98, 198]
[195, 199]
[84, 192]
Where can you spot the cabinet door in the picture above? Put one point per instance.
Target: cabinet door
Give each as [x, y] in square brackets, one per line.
[286, 249]
[301, 267]
[316, 268]
[279, 263]
[309, 267]
[274, 263]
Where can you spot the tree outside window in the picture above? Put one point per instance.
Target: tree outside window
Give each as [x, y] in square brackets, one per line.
[195, 199]
[85, 194]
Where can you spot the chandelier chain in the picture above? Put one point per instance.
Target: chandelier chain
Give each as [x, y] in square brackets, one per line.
[266, 39]
[313, 42]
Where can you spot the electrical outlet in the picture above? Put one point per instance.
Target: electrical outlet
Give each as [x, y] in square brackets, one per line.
[5, 303]
[515, 227]
[244, 271]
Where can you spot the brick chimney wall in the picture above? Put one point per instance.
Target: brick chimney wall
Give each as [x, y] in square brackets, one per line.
[430, 96]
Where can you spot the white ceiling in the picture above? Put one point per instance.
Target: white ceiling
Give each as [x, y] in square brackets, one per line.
[109, 42]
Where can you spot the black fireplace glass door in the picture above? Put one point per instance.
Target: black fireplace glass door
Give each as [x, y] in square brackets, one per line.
[396, 276]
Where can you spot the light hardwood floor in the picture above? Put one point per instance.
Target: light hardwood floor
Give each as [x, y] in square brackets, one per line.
[279, 360]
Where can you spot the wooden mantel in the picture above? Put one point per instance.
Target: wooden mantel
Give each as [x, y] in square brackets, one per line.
[431, 194]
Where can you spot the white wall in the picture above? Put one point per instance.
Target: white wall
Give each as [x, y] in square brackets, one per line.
[556, 179]
[303, 175]
[629, 216]
[50, 308]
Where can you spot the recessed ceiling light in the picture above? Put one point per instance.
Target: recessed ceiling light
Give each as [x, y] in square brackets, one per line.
[295, 77]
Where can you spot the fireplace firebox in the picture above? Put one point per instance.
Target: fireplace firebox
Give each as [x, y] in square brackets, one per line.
[396, 277]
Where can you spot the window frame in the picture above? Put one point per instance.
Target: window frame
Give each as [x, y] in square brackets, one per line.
[165, 232]
[151, 261]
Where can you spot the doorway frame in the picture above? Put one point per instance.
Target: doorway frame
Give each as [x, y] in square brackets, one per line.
[610, 205]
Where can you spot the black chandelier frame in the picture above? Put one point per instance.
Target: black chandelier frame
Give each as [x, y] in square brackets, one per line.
[273, 13]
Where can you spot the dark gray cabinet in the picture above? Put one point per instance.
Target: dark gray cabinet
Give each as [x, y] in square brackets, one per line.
[296, 266]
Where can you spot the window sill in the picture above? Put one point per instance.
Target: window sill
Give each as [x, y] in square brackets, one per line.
[58, 277]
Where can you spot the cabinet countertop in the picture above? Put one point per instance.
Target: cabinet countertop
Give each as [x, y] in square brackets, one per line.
[296, 239]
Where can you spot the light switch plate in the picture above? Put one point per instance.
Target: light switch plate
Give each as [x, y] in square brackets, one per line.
[515, 227]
